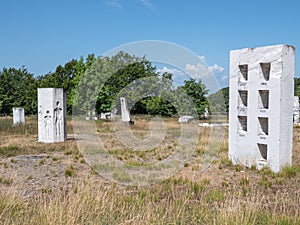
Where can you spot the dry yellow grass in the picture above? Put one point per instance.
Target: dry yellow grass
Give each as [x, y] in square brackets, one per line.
[219, 194]
[172, 202]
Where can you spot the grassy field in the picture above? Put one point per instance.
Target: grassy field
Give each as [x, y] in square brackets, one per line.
[219, 194]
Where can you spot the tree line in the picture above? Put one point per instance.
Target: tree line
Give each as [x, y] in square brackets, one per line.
[96, 83]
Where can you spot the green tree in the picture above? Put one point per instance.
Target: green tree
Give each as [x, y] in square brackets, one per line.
[102, 82]
[67, 77]
[159, 106]
[154, 95]
[197, 91]
[297, 86]
[17, 89]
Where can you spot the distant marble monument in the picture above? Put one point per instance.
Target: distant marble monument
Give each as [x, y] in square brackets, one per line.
[261, 106]
[124, 111]
[206, 113]
[95, 115]
[113, 114]
[185, 119]
[109, 115]
[296, 110]
[105, 116]
[18, 116]
[51, 115]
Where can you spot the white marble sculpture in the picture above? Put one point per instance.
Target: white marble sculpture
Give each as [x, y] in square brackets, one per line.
[105, 116]
[51, 115]
[95, 115]
[113, 114]
[124, 110]
[261, 106]
[206, 113]
[18, 116]
[185, 119]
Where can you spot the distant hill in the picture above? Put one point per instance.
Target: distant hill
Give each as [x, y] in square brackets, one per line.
[219, 101]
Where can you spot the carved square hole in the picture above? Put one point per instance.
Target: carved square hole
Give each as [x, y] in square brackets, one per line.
[263, 149]
[263, 99]
[266, 68]
[242, 123]
[243, 98]
[263, 126]
[243, 72]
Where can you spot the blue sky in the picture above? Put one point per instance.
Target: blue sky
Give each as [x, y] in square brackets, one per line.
[43, 34]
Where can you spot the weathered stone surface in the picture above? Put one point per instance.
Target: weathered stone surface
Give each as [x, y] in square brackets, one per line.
[52, 115]
[124, 110]
[206, 113]
[18, 116]
[185, 119]
[261, 106]
[105, 116]
[113, 114]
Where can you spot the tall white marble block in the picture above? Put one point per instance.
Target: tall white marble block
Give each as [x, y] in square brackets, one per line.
[124, 110]
[52, 115]
[261, 106]
[296, 110]
[18, 116]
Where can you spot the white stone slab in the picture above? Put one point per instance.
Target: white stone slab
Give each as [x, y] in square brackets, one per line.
[213, 124]
[261, 106]
[113, 114]
[124, 110]
[51, 115]
[185, 119]
[18, 116]
[105, 116]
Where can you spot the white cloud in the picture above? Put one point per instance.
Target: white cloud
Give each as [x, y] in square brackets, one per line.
[224, 77]
[202, 57]
[117, 4]
[178, 76]
[197, 71]
[202, 71]
[216, 68]
[147, 3]
[169, 70]
[113, 3]
[213, 68]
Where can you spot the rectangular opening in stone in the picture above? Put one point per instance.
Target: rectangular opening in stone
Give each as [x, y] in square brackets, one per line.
[243, 99]
[243, 72]
[242, 123]
[263, 99]
[263, 126]
[263, 149]
[266, 67]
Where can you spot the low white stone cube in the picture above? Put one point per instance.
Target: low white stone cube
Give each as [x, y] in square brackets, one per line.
[18, 116]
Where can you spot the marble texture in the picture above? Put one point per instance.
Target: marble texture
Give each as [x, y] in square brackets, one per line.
[18, 116]
[51, 115]
[261, 106]
[124, 110]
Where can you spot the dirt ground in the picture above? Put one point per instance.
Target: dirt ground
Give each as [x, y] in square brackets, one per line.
[29, 167]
